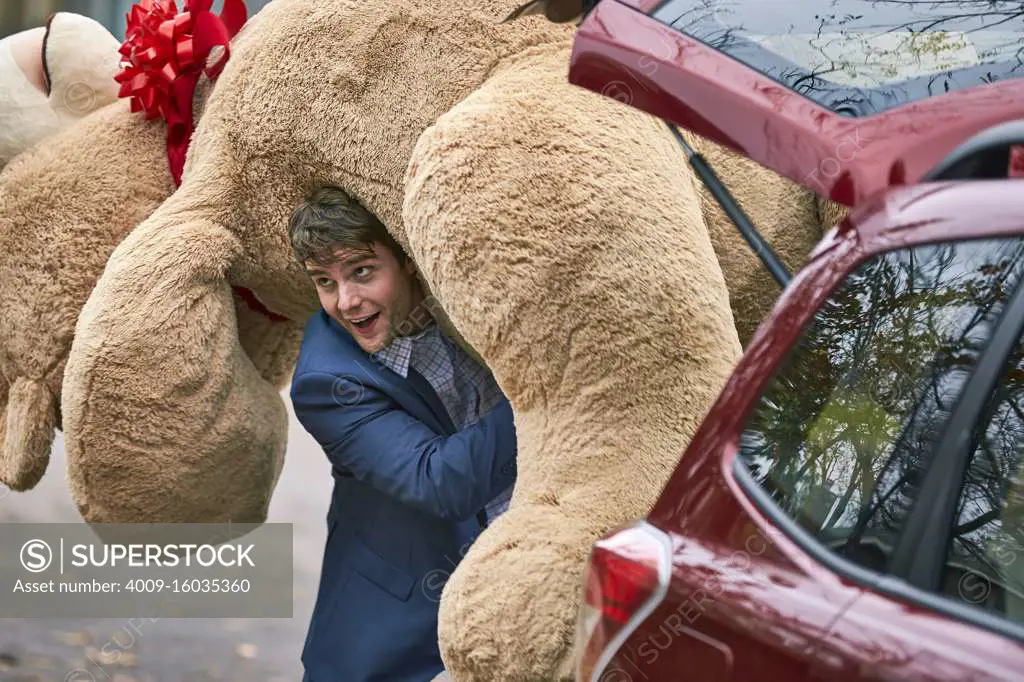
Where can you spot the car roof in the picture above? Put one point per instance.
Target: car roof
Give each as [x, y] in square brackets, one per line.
[880, 120]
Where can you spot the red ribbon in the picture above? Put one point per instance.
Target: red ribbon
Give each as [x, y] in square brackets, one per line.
[164, 54]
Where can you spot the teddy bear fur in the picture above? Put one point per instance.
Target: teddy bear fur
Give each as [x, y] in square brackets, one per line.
[61, 214]
[562, 232]
[59, 218]
[613, 280]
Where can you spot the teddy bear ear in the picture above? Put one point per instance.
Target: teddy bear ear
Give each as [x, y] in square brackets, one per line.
[80, 59]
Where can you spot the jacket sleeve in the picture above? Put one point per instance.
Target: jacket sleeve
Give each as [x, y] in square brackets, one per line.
[364, 432]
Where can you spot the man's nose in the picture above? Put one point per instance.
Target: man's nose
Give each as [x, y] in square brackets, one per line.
[349, 299]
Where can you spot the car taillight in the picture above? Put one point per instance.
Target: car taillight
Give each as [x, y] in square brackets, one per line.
[627, 577]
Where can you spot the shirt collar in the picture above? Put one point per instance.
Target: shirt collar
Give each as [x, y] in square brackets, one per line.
[397, 354]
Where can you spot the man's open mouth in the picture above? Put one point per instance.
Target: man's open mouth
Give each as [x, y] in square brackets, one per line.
[365, 323]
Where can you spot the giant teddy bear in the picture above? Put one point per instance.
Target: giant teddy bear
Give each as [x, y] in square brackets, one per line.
[562, 233]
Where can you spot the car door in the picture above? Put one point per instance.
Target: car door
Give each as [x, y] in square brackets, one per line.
[952, 604]
[970, 624]
[862, 443]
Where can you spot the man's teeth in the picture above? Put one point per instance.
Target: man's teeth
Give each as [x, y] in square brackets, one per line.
[362, 319]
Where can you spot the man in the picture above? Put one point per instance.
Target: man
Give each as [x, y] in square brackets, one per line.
[420, 439]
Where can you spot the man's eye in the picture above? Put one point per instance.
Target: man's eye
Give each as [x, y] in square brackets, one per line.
[323, 282]
[362, 272]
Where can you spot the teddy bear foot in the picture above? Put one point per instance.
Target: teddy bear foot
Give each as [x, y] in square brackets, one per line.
[28, 418]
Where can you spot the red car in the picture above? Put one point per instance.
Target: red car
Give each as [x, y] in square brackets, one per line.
[852, 508]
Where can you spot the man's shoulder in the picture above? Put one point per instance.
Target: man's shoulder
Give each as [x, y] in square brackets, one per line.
[326, 348]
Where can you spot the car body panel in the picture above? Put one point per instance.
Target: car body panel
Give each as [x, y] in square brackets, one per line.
[754, 596]
[878, 638]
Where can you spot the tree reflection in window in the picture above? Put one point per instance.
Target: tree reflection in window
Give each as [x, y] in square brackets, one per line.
[844, 433]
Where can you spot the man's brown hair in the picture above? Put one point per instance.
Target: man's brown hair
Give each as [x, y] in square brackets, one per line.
[329, 219]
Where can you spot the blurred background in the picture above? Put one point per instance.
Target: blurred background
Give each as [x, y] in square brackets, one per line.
[174, 650]
[178, 650]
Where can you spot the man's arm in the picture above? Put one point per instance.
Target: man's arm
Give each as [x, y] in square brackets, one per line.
[448, 476]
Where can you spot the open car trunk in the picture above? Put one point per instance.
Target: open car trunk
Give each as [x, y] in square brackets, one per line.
[846, 99]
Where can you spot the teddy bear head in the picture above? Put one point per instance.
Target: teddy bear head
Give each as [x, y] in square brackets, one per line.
[52, 76]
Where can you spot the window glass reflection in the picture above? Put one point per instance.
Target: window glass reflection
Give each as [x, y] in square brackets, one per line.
[985, 566]
[861, 56]
[843, 435]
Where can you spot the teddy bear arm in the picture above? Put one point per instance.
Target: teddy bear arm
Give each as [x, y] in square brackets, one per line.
[62, 213]
[28, 419]
[166, 418]
[270, 342]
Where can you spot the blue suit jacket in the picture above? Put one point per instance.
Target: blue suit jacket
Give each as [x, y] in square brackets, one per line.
[409, 493]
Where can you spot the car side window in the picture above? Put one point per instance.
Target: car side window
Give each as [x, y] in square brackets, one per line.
[985, 563]
[844, 433]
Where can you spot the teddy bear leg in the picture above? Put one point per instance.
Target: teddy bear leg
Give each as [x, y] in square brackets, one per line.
[562, 234]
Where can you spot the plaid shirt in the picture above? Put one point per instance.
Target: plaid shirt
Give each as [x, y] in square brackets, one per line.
[466, 388]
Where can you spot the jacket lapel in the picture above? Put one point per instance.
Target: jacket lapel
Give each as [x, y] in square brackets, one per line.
[429, 396]
[414, 393]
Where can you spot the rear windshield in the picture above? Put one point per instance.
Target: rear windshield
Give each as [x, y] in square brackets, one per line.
[860, 57]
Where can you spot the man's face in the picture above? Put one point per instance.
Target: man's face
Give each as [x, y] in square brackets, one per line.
[369, 293]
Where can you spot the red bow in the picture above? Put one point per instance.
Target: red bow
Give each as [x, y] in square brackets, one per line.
[163, 56]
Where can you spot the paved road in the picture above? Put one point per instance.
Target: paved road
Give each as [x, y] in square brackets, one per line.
[178, 650]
